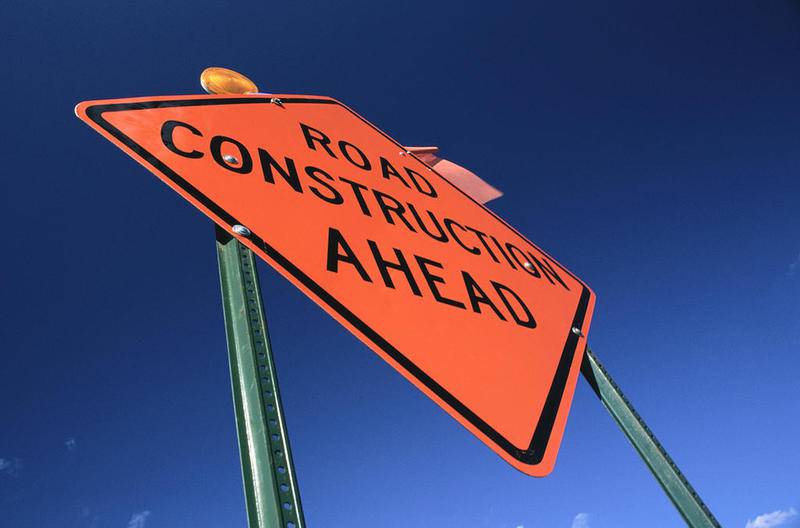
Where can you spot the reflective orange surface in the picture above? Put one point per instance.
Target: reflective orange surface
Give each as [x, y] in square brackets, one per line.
[469, 310]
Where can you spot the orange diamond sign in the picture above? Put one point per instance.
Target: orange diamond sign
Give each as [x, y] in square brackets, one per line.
[475, 315]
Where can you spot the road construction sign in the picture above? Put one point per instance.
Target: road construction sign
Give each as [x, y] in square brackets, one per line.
[480, 319]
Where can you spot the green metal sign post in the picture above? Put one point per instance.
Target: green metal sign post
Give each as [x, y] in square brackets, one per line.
[686, 500]
[270, 485]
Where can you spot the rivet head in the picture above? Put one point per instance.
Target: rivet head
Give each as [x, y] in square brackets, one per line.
[276, 101]
[230, 159]
[241, 230]
[404, 153]
[577, 331]
[527, 265]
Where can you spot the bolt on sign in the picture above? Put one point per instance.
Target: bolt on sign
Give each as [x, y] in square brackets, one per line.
[475, 315]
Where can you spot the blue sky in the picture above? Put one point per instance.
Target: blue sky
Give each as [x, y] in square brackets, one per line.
[651, 148]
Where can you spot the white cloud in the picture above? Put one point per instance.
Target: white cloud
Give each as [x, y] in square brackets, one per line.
[581, 521]
[773, 519]
[139, 519]
[794, 267]
[10, 466]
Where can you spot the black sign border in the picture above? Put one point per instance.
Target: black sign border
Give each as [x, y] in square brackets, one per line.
[541, 436]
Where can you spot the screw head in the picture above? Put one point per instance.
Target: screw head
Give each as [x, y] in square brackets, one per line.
[241, 230]
[404, 153]
[527, 265]
[230, 159]
[577, 331]
[276, 101]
